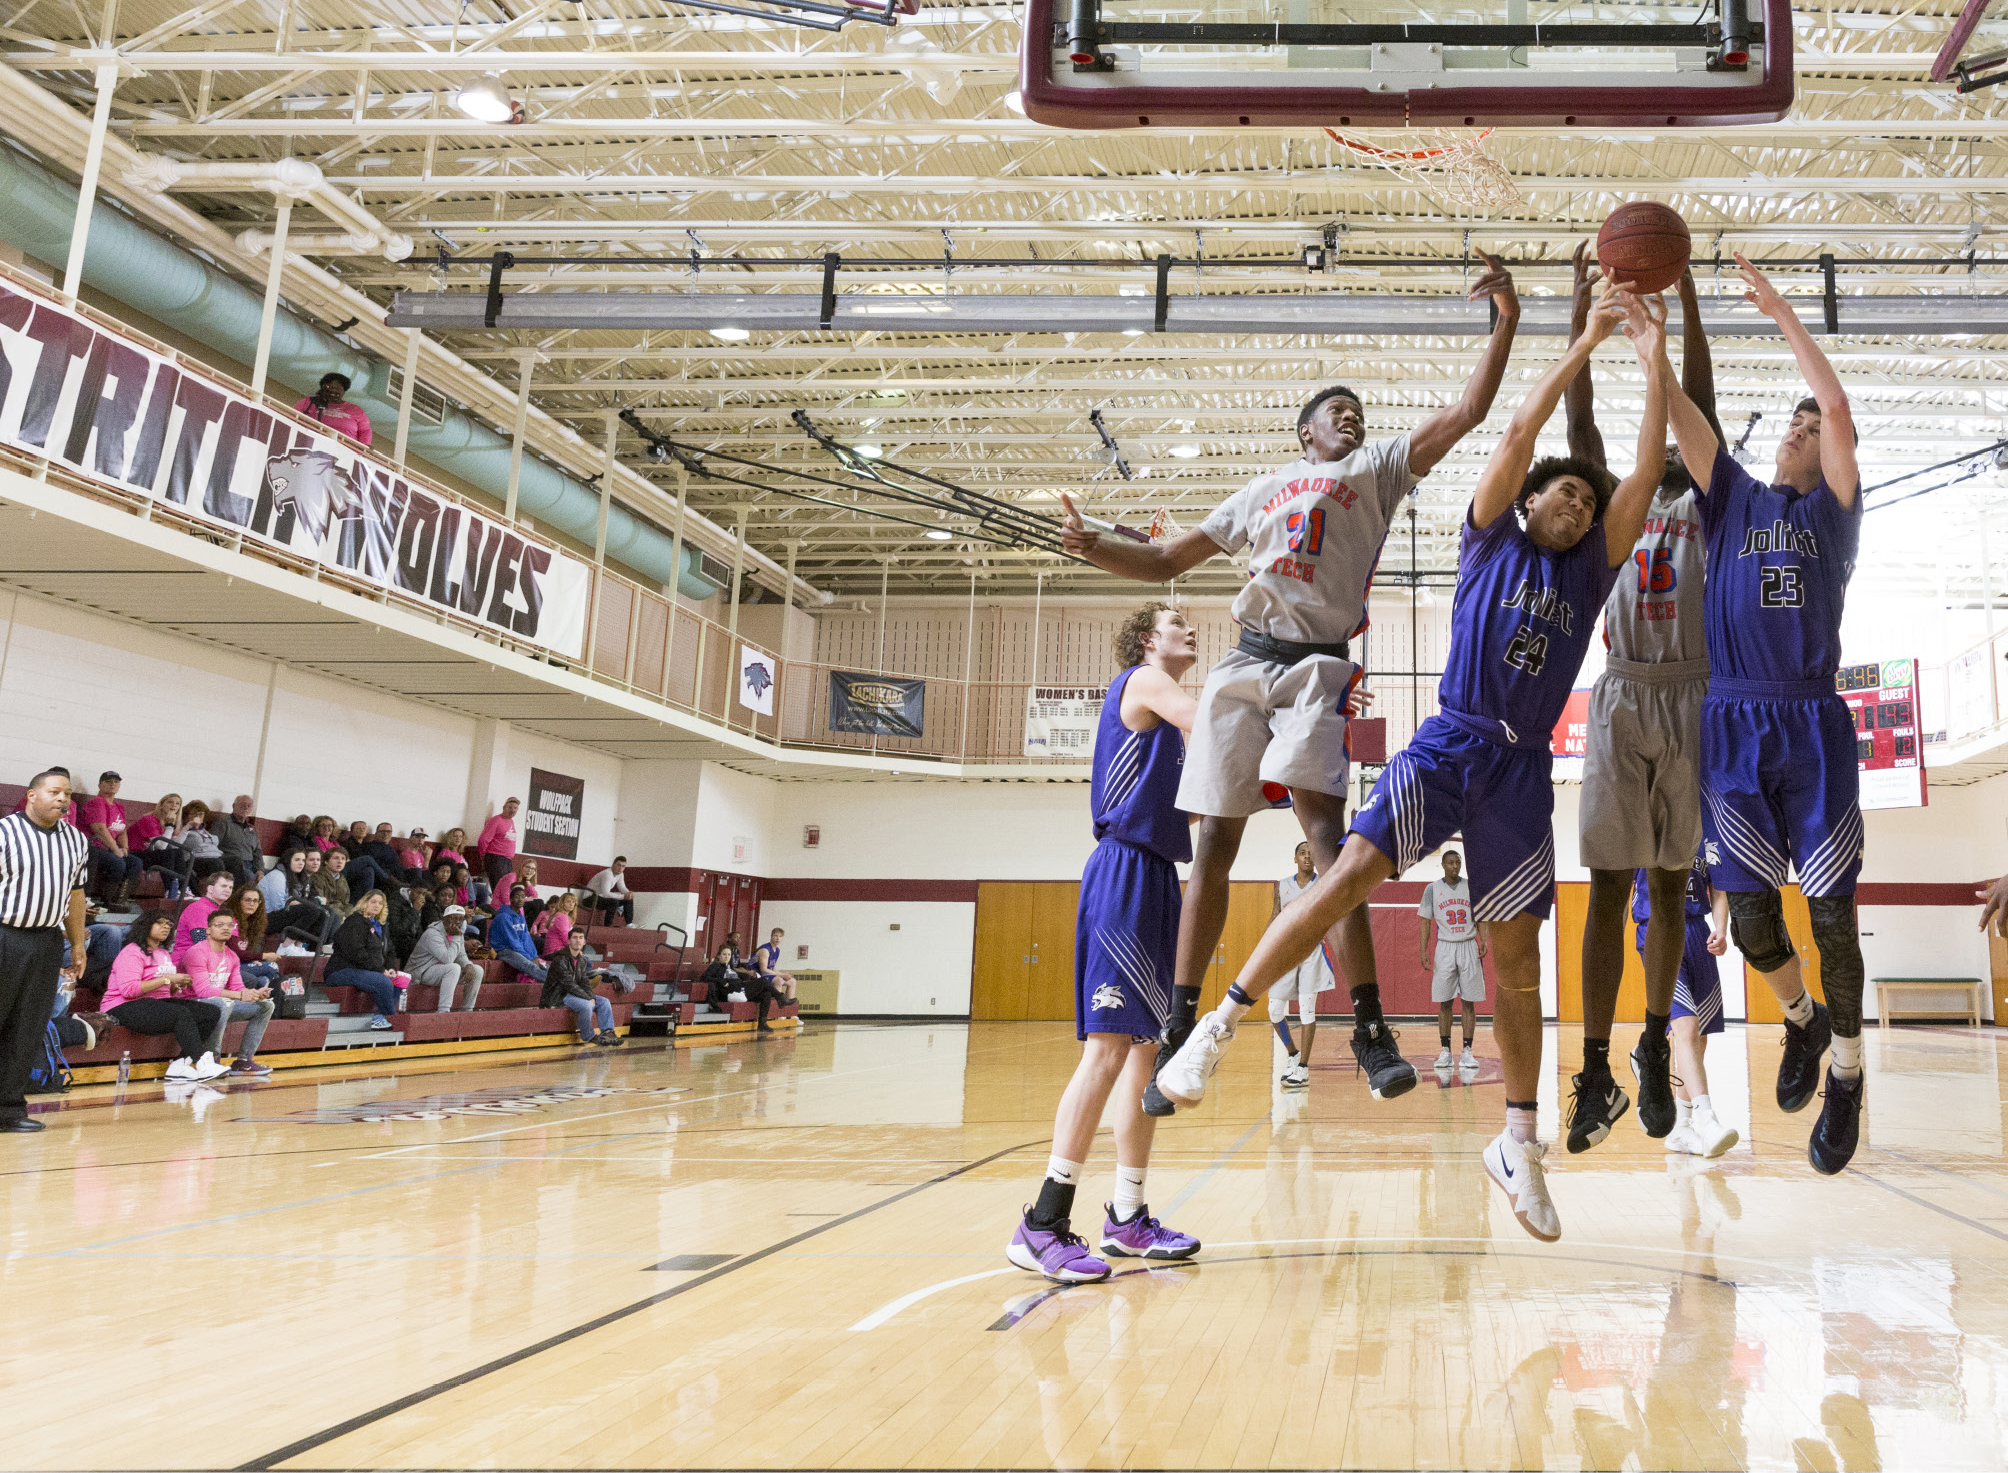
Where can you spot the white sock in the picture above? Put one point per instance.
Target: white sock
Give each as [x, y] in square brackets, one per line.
[1231, 1012]
[1129, 1192]
[1066, 1173]
[1846, 1058]
[1800, 1011]
[1521, 1123]
[1684, 1109]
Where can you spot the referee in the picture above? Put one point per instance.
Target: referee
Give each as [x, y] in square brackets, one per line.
[42, 867]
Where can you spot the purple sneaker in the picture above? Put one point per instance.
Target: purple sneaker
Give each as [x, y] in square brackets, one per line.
[1058, 1254]
[1143, 1236]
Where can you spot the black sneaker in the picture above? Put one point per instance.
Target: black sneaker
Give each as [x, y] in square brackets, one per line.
[1839, 1129]
[1388, 1073]
[1652, 1062]
[1598, 1104]
[1799, 1069]
[1168, 1043]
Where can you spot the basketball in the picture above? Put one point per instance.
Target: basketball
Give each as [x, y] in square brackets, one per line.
[1643, 245]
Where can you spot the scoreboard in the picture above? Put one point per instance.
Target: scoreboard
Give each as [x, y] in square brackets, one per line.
[1889, 748]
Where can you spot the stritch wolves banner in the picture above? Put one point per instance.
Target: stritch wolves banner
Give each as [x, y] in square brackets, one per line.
[879, 703]
[116, 412]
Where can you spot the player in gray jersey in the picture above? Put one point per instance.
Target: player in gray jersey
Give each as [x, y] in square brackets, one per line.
[1641, 803]
[1273, 713]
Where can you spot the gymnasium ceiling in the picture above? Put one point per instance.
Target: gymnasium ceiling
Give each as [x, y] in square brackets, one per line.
[672, 131]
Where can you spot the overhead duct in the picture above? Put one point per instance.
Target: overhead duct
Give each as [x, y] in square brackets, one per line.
[131, 264]
[1321, 314]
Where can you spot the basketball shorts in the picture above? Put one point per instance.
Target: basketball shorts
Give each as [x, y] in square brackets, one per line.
[1311, 977]
[1459, 974]
[1263, 722]
[1502, 799]
[1697, 991]
[1779, 787]
[1125, 942]
[1641, 806]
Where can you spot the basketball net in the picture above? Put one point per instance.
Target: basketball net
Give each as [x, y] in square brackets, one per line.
[1446, 161]
[1162, 527]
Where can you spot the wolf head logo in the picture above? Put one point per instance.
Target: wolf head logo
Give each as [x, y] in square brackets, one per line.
[1108, 997]
[758, 677]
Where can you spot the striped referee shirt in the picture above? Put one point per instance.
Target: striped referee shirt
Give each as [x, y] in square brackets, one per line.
[38, 869]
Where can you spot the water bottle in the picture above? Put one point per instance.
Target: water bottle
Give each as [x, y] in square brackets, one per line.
[125, 1068]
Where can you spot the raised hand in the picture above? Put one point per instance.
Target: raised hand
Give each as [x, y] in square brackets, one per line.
[1761, 293]
[1613, 306]
[1496, 283]
[1075, 537]
[1360, 701]
[1587, 276]
[1645, 323]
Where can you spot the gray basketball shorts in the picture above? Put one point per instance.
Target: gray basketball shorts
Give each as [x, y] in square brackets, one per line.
[1262, 722]
[1642, 778]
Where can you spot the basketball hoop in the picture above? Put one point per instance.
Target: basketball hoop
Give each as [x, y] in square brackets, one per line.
[1445, 161]
[1162, 527]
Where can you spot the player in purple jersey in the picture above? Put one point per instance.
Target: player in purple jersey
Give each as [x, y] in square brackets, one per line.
[1274, 709]
[1695, 1010]
[1779, 784]
[1123, 946]
[1527, 600]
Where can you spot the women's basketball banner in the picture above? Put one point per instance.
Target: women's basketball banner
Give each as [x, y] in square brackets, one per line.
[1882, 698]
[882, 704]
[116, 412]
[1060, 720]
[551, 818]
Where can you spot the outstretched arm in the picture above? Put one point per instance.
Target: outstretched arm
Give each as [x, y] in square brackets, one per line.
[1837, 421]
[1433, 438]
[1147, 562]
[1697, 368]
[1624, 518]
[1500, 481]
[1586, 441]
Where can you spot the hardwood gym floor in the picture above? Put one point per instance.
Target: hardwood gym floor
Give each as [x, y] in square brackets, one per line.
[789, 1255]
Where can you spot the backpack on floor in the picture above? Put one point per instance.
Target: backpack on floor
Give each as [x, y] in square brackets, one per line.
[290, 997]
[50, 1074]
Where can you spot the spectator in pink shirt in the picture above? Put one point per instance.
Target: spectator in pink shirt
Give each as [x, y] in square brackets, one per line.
[555, 923]
[113, 864]
[152, 838]
[498, 842]
[146, 994]
[214, 977]
[192, 923]
[328, 405]
[325, 837]
[414, 852]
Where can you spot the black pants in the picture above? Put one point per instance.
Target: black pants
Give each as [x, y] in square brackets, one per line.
[496, 866]
[170, 860]
[191, 1022]
[316, 920]
[760, 990]
[29, 963]
[609, 907]
[111, 872]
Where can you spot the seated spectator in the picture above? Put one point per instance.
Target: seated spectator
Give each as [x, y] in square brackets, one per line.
[204, 849]
[533, 905]
[452, 846]
[381, 850]
[611, 896]
[569, 984]
[215, 977]
[509, 935]
[192, 924]
[152, 838]
[442, 880]
[299, 835]
[358, 874]
[328, 405]
[498, 843]
[146, 994]
[299, 911]
[237, 833]
[102, 943]
[324, 834]
[440, 959]
[417, 853]
[76, 1029]
[325, 874]
[402, 924]
[361, 958]
[472, 891]
[113, 864]
[356, 837]
[247, 907]
[767, 962]
[554, 924]
[728, 979]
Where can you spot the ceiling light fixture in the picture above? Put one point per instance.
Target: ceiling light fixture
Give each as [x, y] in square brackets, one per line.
[869, 452]
[1185, 452]
[937, 535]
[730, 334]
[486, 100]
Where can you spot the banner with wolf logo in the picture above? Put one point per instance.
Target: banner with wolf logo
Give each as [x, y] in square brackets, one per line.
[118, 413]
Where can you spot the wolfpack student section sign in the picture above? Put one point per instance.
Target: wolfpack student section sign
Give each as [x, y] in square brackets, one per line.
[122, 415]
[552, 816]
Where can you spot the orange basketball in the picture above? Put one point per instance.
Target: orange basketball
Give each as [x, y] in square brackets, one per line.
[1643, 245]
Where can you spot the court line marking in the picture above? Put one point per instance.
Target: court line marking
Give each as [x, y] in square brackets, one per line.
[906, 1301]
[440, 1388]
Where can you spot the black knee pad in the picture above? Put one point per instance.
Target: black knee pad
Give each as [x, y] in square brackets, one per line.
[1758, 924]
[1841, 972]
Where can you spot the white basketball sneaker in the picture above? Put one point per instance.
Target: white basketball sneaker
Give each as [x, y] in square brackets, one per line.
[1680, 1140]
[1183, 1078]
[1297, 1076]
[1443, 1060]
[1710, 1136]
[1469, 1061]
[1516, 1166]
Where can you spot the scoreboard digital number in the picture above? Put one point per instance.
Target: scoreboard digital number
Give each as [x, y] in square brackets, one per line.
[1882, 699]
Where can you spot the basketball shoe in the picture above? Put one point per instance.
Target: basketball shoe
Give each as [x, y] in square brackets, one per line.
[1057, 1252]
[1652, 1062]
[1516, 1167]
[1183, 1080]
[1388, 1074]
[1597, 1105]
[1173, 1038]
[1799, 1069]
[1839, 1129]
[1143, 1236]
